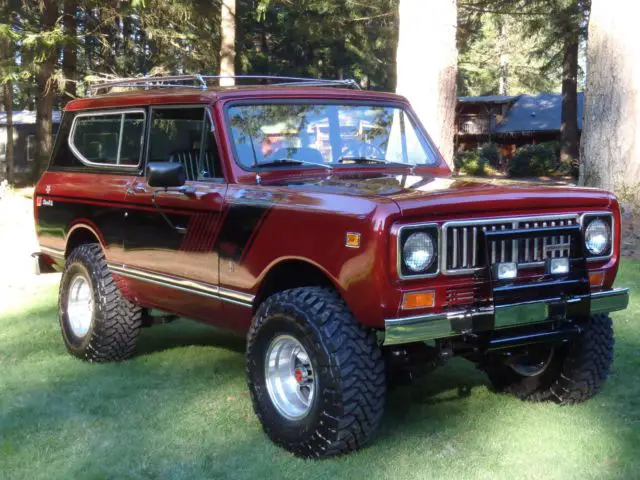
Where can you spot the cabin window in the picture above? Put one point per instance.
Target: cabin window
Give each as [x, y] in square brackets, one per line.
[112, 139]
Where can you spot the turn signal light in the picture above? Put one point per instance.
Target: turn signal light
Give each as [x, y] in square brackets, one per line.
[596, 279]
[411, 301]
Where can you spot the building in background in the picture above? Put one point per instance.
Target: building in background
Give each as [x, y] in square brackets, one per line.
[24, 140]
[510, 121]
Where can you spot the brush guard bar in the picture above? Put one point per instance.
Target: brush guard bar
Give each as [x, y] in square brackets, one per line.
[517, 303]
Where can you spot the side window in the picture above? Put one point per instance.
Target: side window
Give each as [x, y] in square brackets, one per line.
[109, 139]
[183, 135]
[96, 138]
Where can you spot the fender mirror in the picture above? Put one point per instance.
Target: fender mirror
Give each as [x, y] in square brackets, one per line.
[165, 174]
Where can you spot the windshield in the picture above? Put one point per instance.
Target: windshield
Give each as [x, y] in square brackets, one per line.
[330, 135]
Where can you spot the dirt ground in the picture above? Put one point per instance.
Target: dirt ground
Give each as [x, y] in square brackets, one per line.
[17, 243]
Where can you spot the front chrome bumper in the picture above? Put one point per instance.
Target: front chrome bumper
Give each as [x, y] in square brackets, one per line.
[448, 324]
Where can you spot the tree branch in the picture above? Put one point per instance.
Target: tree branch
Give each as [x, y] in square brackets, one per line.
[476, 8]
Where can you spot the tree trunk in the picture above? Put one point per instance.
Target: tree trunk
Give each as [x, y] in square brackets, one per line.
[44, 99]
[503, 81]
[70, 56]
[7, 101]
[426, 66]
[569, 126]
[610, 142]
[228, 41]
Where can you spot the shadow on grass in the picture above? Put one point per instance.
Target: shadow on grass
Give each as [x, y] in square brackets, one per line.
[180, 409]
[184, 333]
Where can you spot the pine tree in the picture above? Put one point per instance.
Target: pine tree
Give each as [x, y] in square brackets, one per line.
[558, 27]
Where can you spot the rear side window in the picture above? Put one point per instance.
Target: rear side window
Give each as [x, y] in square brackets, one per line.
[110, 139]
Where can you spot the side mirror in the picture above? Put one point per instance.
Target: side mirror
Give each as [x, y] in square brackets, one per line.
[165, 174]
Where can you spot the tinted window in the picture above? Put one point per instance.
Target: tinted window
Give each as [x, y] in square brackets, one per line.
[326, 134]
[109, 139]
[184, 135]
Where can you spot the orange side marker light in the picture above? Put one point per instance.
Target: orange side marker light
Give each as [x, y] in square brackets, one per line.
[425, 299]
[596, 279]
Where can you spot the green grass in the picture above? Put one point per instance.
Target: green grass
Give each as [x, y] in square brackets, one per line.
[180, 409]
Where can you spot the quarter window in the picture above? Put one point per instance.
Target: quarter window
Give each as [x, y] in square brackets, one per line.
[108, 138]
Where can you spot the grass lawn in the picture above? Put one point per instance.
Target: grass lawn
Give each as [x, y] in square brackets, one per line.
[180, 409]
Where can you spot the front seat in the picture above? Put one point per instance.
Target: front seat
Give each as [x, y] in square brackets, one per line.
[188, 159]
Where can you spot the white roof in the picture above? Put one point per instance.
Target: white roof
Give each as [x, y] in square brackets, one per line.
[27, 117]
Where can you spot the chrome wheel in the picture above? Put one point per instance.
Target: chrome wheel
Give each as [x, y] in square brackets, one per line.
[80, 305]
[532, 365]
[289, 377]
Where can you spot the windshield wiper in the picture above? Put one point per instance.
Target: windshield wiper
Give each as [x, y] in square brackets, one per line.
[363, 160]
[292, 161]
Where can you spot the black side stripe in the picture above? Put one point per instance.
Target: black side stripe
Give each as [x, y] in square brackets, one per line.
[239, 228]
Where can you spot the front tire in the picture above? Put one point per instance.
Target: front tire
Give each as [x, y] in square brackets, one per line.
[97, 323]
[575, 372]
[306, 338]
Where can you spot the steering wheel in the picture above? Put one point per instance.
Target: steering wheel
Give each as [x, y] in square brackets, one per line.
[360, 149]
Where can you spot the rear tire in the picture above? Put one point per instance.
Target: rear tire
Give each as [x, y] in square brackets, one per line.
[576, 372]
[97, 323]
[345, 364]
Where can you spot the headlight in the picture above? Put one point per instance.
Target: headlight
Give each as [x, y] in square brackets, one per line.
[418, 251]
[597, 237]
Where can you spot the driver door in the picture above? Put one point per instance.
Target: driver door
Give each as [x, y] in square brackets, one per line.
[170, 259]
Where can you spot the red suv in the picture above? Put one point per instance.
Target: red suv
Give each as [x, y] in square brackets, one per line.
[319, 221]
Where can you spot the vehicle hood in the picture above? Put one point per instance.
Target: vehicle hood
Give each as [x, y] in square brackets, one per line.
[432, 195]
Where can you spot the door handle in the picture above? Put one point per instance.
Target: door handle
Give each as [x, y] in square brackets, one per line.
[136, 188]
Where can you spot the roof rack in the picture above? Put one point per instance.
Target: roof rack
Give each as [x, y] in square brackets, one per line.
[202, 82]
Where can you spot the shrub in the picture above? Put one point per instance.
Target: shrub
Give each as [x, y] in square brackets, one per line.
[534, 160]
[470, 163]
[491, 155]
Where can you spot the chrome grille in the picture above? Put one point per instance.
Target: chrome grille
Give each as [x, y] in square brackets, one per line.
[462, 251]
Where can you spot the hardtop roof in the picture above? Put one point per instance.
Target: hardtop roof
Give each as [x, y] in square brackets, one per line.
[177, 96]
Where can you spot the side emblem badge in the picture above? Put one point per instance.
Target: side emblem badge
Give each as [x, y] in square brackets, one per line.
[352, 240]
